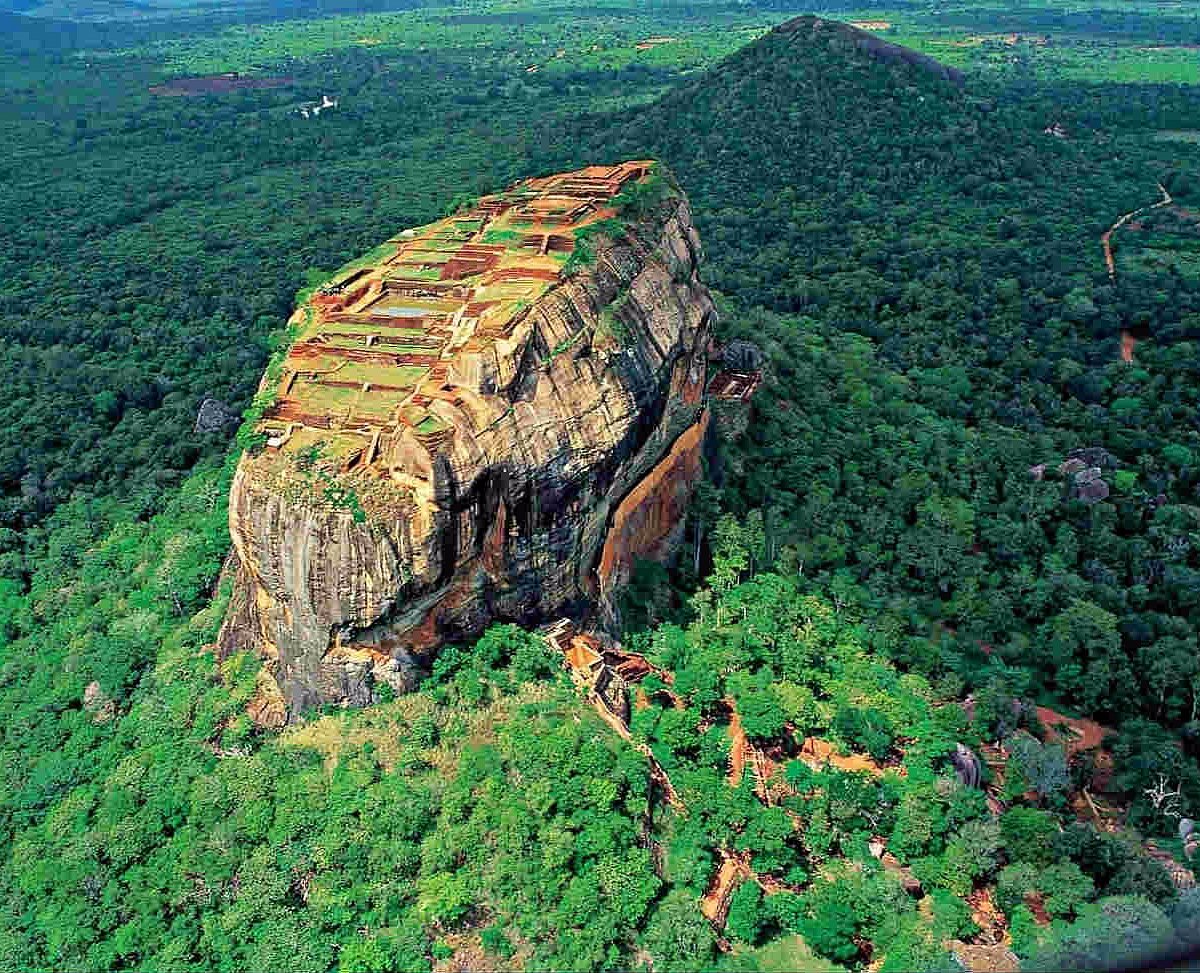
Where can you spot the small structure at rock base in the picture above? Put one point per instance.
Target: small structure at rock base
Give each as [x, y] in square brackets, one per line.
[596, 667]
[734, 386]
[740, 370]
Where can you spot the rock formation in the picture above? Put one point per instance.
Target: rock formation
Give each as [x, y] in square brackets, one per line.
[214, 416]
[490, 417]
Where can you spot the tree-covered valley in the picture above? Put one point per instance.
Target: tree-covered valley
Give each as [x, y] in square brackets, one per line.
[959, 516]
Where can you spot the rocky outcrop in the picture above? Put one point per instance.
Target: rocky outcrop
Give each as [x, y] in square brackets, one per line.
[459, 424]
[649, 522]
[215, 416]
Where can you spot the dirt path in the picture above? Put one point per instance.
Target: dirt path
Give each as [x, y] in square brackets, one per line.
[737, 750]
[657, 772]
[817, 753]
[1106, 240]
[715, 904]
[1128, 341]
[1080, 734]
[1128, 346]
[743, 753]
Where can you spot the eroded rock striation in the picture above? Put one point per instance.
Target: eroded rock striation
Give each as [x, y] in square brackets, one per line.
[490, 417]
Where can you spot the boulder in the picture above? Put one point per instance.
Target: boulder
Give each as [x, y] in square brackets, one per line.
[1095, 456]
[214, 416]
[967, 766]
[97, 702]
[1089, 487]
[491, 420]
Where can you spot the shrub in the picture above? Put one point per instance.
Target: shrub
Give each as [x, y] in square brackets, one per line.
[1185, 917]
[1027, 935]
[865, 729]
[1100, 856]
[1121, 932]
[496, 941]
[1028, 835]
[1064, 886]
[1143, 876]
[951, 917]
[746, 915]
[920, 824]
[830, 929]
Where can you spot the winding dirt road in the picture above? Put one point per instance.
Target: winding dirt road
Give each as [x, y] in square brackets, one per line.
[1106, 239]
[1128, 341]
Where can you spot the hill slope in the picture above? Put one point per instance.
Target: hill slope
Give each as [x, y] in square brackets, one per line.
[875, 197]
[809, 154]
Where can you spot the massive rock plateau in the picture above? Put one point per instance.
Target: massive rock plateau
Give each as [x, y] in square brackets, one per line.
[490, 417]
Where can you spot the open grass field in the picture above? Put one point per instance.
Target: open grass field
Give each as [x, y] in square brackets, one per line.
[557, 38]
[1186, 136]
[1144, 43]
[1139, 43]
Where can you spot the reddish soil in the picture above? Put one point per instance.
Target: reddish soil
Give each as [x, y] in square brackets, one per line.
[1128, 346]
[1080, 734]
[526, 273]
[737, 750]
[715, 904]
[1109, 261]
[289, 412]
[817, 753]
[214, 84]
[1036, 903]
[993, 924]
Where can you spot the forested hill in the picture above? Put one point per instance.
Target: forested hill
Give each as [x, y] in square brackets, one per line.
[812, 158]
[808, 30]
[920, 469]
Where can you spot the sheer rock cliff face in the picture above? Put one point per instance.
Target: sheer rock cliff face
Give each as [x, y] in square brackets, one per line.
[497, 454]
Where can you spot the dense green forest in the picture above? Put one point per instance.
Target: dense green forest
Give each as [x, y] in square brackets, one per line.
[900, 557]
[963, 250]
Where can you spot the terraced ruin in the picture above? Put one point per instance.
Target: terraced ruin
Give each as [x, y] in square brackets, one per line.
[416, 336]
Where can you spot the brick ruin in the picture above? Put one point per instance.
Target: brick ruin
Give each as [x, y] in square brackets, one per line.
[381, 345]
